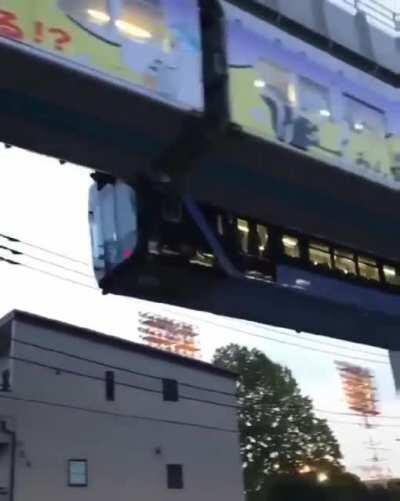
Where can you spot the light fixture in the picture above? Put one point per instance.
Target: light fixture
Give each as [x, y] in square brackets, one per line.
[133, 30]
[389, 271]
[243, 226]
[292, 94]
[325, 113]
[358, 126]
[99, 16]
[259, 83]
[289, 241]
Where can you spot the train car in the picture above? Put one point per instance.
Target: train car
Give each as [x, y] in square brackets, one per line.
[151, 246]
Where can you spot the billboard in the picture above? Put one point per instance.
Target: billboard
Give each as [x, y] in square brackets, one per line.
[283, 90]
[153, 46]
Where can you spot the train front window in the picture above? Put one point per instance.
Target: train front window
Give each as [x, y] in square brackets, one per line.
[392, 276]
[291, 246]
[344, 262]
[368, 269]
[320, 255]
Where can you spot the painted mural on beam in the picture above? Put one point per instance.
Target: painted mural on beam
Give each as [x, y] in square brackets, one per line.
[280, 91]
[153, 46]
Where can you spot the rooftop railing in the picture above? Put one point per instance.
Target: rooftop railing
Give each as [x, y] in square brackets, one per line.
[376, 11]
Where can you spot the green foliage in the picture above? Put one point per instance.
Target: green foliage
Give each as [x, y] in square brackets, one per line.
[280, 432]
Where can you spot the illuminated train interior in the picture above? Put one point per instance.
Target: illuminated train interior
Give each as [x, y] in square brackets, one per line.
[136, 226]
[257, 249]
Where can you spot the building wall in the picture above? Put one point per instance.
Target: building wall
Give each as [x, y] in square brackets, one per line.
[127, 456]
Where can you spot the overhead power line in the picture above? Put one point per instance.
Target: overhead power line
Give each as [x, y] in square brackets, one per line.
[53, 275]
[101, 379]
[155, 377]
[43, 249]
[16, 252]
[216, 324]
[116, 414]
[118, 368]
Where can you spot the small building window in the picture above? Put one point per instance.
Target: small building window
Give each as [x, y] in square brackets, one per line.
[368, 268]
[77, 473]
[392, 276]
[344, 262]
[170, 390]
[110, 386]
[5, 384]
[320, 255]
[175, 476]
[291, 246]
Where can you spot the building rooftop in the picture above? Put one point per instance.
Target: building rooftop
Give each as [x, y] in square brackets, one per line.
[99, 337]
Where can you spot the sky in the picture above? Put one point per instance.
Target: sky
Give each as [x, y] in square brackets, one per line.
[45, 203]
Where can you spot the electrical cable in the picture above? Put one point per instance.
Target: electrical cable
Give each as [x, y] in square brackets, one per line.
[16, 252]
[43, 249]
[291, 335]
[53, 275]
[109, 366]
[116, 414]
[118, 368]
[126, 385]
[230, 328]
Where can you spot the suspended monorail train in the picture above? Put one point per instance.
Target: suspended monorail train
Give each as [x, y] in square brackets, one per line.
[149, 245]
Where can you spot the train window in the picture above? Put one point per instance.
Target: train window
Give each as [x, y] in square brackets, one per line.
[364, 117]
[344, 262]
[291, 246]
[263, 238]
[314, 99]
[243, 228]
[368, 268]
[392, 275]
[320, 254]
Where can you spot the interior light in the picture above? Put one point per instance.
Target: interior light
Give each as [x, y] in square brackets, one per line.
[259, 83]
[98, 15]
[325, 113]
[391, 272]
[133, 29]
[243, 226]
[292, 94]
[289, 241]
[358, 126]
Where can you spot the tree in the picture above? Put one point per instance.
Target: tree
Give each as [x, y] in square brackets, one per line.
[280, 433]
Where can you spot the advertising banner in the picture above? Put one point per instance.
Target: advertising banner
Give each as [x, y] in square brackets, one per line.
[153, 46]
[282, 90]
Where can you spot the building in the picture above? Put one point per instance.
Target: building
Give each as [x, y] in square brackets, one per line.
[88, 416]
